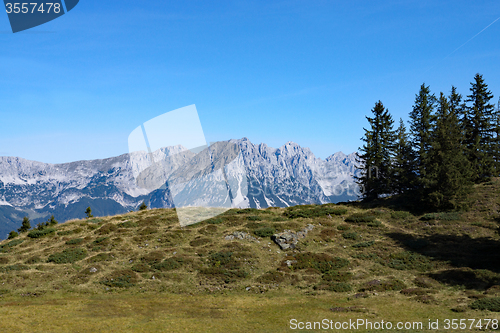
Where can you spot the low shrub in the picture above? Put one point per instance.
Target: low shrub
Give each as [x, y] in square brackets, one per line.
[327, 234]
[319, 261]
[271, 277]
[224, 274]
[68, 256]
[401, 215]
[364, 244]
[9, 245]
[380, 286]
[106, 229]
[214, 221]
[41, 233]
[490, 304]
[12, 235]
[140, 268]
[254, 218]
[309, 211]
[371, 256]
[409, 260]
[424, 282]
[343, 227]
[247, 210]
[444, 216]
[75, 241]
[336, 276]
[338, 287]
[33, 260]
[69, 232]
[16, 267]
[127, 224]
[100, 240]
[121, 279]
[199, 242]
[99, 257]
[148, 231]
[415, 291]
[264, 232]
[169, 264]
[223, 259]
[153, 257]
[4, 260]
[375, 223]
[350, 235]
[360, 218]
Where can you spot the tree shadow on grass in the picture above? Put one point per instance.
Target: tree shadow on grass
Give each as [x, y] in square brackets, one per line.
[475, 261]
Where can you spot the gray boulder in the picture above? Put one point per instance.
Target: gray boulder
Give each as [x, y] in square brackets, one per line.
[288, 239]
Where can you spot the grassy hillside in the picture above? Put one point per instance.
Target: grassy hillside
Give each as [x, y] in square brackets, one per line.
[142, 271]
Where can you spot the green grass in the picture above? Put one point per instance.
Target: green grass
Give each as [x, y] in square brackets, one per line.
[143, 269]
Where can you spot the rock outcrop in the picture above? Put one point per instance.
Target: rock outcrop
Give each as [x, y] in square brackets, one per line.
[288, 239]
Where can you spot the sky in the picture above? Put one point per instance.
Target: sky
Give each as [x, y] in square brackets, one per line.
[272, 71]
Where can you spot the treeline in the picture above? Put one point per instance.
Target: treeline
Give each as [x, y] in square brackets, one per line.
[451, 143]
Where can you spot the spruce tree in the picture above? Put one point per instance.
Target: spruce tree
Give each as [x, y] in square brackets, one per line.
[421, 118]
[376, 154]
[143, 206]
[88, 211]
[52, 221]
[496, 140]
[448, 172]
[478, 123]
[26, 225]
[403, 176]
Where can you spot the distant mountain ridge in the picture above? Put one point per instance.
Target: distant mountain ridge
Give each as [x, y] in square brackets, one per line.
[284, 176]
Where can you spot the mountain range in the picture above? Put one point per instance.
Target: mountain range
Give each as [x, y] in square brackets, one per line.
[257, 176]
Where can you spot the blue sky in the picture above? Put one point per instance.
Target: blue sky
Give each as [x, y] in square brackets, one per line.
[272, 71]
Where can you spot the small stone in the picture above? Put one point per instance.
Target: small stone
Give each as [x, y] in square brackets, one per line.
[248, 288]
[93, 270]
[175, 252]
[153, 277]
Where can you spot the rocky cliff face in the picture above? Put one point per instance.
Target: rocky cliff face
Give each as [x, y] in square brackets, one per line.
[261, 176]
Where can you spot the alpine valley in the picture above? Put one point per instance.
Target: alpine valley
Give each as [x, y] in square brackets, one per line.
[286, 176]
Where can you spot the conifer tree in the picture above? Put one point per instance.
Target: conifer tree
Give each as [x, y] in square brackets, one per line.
[376, 154]
[496, 140]
[26, 225]
[448, 172]
[51, 221]
[143, 206]
[88, 211]
[421, 118]
[403, 176]
[478, 123]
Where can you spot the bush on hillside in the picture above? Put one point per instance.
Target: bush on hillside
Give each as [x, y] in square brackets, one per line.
[490, 304]
[12, 235]
[41, 233]
[313, 211]
[68, 256]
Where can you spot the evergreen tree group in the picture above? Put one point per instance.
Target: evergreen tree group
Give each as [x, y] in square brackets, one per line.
[451, 144]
